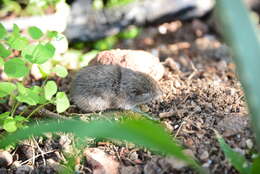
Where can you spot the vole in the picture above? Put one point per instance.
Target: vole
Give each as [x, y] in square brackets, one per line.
[102, 87]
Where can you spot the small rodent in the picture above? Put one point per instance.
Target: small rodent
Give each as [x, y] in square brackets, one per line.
[101, 87]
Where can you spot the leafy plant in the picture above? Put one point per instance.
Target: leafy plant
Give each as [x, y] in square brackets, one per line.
[27, 8]
[243, 38]
[38, 51]
[236, 159]
[142, 132]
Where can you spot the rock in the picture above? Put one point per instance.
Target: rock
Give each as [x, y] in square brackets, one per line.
[232, 125]
[87, 23]
[6, 158]
[130, 170]
[101, 162]
[25, 169]
[135, 60]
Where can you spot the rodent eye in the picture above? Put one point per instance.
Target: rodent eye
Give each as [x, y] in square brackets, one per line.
[138, 92]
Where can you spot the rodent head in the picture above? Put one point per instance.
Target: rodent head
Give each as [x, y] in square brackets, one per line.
[139, 88]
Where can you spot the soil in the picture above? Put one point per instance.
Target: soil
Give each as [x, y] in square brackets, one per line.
[201, 93]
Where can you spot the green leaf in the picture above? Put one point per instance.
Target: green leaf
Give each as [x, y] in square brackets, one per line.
[27, 95]
[15, 68]
[62, 102]
[130, 33]
[27, 53]
[9, 125]
[16, 29]
[141, 132]
[30, 98]
[50, 89]
[236, 159]
[106, 43]
[6, 88]
[60, 71]
[42, 53]
[40, 92]
[18, 42]
[1, 61]
[21, 88]
[2, 31]
[4, 115]
[52, 34]
[20, 118]
[256, 166]
[4, 52]
[35, 32]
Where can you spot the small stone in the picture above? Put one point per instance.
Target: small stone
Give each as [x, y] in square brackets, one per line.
[6, 158]
[136, 60]
[25, 169]
[204, 155]
[249, 143]
[65, 143]
[130, 170]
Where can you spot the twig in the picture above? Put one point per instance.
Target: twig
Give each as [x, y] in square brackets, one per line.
[34, 157]
[42, 153]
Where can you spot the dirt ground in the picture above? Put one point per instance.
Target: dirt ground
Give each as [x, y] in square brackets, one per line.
[201, 93]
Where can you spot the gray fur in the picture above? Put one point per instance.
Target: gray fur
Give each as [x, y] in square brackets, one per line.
[101, 87]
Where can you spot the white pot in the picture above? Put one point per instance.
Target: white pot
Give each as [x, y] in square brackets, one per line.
[54, 22]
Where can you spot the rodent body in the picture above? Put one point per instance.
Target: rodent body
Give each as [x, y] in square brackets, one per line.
[101, 87]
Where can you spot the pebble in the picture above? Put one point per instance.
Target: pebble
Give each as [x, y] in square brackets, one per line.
[136, 60]
[6, 158]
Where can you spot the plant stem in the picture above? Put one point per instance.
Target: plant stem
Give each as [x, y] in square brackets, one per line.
[37, 109]
[14, 108]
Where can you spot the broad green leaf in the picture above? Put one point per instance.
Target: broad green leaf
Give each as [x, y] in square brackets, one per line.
[27, 53]
[36, 89]
[2, 31]
[40, 92]
[9, 125]
[16, 29]
[256, 166]
[50, 89]
[52, 34]
[42, 53]
[18, 42]
[62, 102]
[35, 32]
[60, 71]
[4, 52]
[15, 68]
[27, 95]
[6, 88]
[21, 89]
[20, 118]
[141, 132]
[29, 98]
[236, 159]
[1, 61]
[4, 115]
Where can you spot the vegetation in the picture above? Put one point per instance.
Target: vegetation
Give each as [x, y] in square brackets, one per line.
[36, 51]
[26, 7]
[18, 53]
